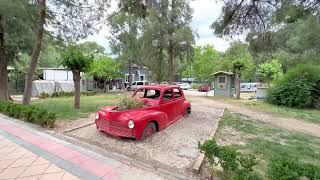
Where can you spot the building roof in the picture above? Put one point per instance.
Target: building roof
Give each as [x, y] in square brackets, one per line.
[224, 72]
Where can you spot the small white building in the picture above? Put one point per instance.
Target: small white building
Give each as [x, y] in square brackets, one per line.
[57, 74]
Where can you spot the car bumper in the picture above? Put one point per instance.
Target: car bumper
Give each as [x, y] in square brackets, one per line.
[115, 128]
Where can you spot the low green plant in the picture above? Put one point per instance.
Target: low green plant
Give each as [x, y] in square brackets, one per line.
[44, 95]
[286, 167]
[28, 113]
[71, 93]
[128, 103]
[299, 88]
[235, 165]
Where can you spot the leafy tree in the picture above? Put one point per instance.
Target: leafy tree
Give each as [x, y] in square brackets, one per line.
[104, 68]
[206, 62]
[35, 55]
[77, 62]
[270, 71]
[90, 47]
[167, 34]
[71, 20]
[16, 35]
[238, 66]
[239, 51]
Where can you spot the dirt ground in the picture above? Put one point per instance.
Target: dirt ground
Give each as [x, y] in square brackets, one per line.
[175, 146]
[286, 123]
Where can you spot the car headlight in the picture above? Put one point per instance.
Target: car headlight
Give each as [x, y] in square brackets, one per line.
[97, 115]
[131, 124]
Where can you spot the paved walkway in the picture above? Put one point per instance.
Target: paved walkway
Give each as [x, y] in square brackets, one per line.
[26, 153]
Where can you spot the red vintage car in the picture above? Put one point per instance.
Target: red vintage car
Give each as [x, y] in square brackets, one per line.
[163, 105]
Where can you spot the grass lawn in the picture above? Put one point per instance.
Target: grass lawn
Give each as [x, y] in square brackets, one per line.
[265, 141]
[63, 107]
[311, 115]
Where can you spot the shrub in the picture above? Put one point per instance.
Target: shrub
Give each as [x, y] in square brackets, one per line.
[235, 165]
[44, 95]
[129, 103]
[71, 93]
[299, 88]
[286, 167]
[28, 113]
[196, 86]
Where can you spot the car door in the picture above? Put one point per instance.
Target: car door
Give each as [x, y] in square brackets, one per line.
[168, 105]
[179, 102]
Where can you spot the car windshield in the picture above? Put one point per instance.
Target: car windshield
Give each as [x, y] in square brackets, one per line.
[147, 93]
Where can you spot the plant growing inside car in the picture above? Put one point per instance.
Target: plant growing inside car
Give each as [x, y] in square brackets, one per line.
[129, 103]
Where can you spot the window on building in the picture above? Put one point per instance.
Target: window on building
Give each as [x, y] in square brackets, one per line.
[222, 81]
[141, 77]
[126, 77]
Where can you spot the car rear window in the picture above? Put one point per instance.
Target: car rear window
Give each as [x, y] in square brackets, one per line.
[177, 93]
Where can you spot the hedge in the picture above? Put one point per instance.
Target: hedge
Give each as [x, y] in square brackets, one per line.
[28, 113]
[70, 94]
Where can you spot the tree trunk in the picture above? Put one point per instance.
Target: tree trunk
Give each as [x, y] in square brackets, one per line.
[159, 75]
[170, 62]
[77, 93]
[237, 78]
[130, 75]
[35, 55]
[4, 90]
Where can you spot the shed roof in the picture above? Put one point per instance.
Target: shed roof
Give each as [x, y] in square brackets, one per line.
[224, 72]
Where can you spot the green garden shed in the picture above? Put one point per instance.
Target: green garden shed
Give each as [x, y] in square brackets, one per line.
[224, 83]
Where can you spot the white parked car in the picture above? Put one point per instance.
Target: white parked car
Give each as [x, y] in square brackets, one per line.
[248, 87]
[135, 85]
[185, 86]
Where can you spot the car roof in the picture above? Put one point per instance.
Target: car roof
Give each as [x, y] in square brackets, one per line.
[159, 86]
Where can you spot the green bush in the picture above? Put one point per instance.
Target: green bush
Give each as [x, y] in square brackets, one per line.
[128, 103]
[70, 94]
[196, 86]
[44, 95]
[285, 167]
[235, 165]
[299, 88]
[28, 113]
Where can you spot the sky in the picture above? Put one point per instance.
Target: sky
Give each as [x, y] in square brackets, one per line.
[205, 12]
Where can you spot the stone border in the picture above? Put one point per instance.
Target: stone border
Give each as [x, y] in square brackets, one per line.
[199, 160]
[77, 127]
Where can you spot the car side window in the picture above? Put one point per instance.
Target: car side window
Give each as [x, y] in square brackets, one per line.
[167, 96]
[177, 93]
[139, 83]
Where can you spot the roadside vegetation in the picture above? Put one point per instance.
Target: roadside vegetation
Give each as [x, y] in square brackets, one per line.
[280, 154]
[310, 115]
[63, 107]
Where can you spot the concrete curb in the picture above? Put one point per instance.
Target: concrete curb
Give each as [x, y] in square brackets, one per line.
[77, 127]
[199, 160]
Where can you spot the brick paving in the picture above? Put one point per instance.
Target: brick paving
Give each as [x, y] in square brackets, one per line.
[17, 162]
[27, 153]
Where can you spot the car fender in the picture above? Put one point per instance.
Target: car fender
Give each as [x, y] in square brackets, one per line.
[186, 105]
[143, 117]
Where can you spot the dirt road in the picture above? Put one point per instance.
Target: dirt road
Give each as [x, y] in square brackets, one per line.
[203, 103]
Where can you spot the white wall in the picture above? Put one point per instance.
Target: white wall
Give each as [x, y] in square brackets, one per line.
[57, 75]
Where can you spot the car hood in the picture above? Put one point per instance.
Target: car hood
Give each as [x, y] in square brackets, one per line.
[110, 113]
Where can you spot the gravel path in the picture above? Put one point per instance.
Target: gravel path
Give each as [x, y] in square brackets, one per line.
[175, 146]
[286, 123]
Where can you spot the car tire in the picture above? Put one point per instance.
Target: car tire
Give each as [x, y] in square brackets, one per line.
[188, 111]
[149, 130]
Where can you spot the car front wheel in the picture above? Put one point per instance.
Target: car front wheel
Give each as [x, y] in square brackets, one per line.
[149, 130]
